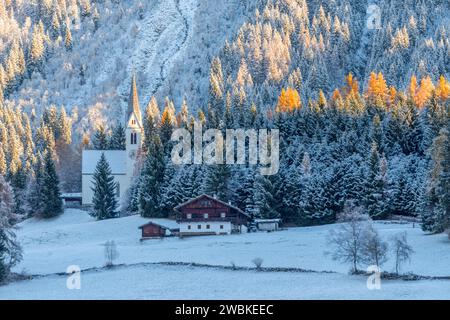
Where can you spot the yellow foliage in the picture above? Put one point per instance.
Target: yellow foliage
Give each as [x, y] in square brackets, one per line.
[377, 87]
[351, 85]
[424, 92]
[443, 88]
[413, 86]
[288, 101]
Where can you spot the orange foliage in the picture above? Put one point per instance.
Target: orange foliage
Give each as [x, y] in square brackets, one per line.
[392, 95]
[288, 101]
[377, 87]
[413, 87]
[167, 117]
[424, 92]
[443, 88]
[351, 85]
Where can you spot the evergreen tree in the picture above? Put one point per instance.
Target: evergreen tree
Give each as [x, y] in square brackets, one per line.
[118, 139]
[151, 181]
[217, 182]
[68, 39]
[435, 214]
[105, 191]
[10, 251]
[51, 196]
[263, 198]
[376, 193]
[100, 139]
[35, 190]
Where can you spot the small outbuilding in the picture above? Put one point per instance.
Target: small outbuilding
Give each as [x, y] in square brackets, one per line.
[71, 200]
[159, 229]
[267, 224]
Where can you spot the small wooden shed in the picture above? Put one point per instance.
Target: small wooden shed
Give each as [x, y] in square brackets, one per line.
[153, 229]
[267, 224]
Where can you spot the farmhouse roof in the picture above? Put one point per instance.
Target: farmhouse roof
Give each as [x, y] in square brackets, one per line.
[213, 199]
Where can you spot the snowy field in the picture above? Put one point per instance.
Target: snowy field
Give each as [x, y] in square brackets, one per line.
[76, 239]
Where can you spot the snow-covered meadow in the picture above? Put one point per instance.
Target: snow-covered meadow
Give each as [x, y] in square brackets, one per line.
[74, 238]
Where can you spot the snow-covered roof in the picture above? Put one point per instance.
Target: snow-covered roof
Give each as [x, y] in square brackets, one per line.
[211, 198]
[165, 223]
[117, 160]
[71, 195]
[267, 220]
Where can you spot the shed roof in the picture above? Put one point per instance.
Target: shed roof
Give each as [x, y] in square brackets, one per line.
[267, 220]
[117, 160]
[164, 223]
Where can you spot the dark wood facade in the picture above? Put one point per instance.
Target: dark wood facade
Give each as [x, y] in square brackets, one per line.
[207, 208]
[154, 230]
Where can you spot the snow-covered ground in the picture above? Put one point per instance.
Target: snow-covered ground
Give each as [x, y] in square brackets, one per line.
[74, 238]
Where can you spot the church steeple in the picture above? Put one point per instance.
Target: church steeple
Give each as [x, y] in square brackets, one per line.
[133, 101]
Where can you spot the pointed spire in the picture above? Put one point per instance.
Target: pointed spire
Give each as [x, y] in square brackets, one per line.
[133, 102]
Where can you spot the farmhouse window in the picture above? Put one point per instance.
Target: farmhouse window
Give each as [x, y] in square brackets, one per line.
[189, 216]
[221, 226]
[206, 216]
[189, 227]
[223, 214]
[199, 226]
[133, 121]
[207, 226]
[206, 203]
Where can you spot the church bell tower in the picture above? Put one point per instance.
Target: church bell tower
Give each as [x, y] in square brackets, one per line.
[133, 129]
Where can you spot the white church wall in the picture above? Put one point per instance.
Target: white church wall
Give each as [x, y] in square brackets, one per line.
[88, 193]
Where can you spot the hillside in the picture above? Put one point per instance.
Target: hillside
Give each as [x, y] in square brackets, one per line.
[170, 45]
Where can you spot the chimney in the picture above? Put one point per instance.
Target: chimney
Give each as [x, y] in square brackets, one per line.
[215, 196]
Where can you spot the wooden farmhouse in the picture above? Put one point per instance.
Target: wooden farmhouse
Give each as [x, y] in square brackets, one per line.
[206, 215]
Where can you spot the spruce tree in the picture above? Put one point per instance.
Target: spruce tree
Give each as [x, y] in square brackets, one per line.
[51, 196]
[68, 39]
[263, 198]
[435, 209]
[100, 139]
[217, 181]
[10, 251]
[151, 182]
[35, 196]
[376, 193]
[118, 139]
[105, 199]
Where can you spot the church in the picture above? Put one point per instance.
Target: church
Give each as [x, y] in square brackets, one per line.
[122, 162]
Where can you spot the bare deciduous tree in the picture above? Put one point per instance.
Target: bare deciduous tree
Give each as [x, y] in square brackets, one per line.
[258, 263]
[111, 253]
[348, 238]
[374, 249]
[402, 250]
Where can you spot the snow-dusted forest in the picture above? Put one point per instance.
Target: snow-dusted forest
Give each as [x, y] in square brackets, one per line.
[363, 113]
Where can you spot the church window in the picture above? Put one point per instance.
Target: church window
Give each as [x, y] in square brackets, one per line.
[133, 138]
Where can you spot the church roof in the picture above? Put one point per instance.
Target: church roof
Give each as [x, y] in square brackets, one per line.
[133, 101]
[117, 160]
